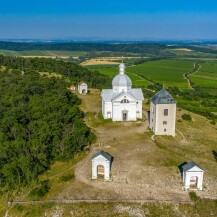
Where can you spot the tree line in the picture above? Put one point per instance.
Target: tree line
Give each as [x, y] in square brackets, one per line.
[87, 47]
[40, 122]
[73, 71]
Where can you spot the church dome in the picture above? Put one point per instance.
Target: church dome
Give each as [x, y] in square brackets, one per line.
[121, 80]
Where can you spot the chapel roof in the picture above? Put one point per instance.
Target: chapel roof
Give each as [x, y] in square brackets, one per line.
[81, 82]
[190, 165]
[163, 97]
[104, 154]
[121, 80]
[110, 95]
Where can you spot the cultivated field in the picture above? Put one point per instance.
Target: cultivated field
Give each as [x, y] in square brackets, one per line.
[137, 80]
[206, 76]
[99, 61]
[108, 61]
[168, 72]
[183, 49]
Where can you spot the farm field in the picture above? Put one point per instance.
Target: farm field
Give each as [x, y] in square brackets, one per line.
[184, 52]
[206, 76]
[108, 61]
[167, 72]
[111, 72]
[42, 53]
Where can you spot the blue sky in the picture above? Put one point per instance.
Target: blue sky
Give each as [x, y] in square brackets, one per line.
[153, 19]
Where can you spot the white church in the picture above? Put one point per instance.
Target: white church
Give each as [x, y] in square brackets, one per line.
[122, 102]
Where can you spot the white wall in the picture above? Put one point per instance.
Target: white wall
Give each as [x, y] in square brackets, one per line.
[158, 118]
[106, 107]
[139, 109]
[120, 89]
[187, 177]
[116, 109]
[82, 87]
[100, 160]
[152, 117]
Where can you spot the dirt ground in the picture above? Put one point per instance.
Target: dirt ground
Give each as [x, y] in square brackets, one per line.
[142, 168]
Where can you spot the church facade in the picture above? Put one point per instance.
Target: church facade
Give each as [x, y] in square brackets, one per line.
[122, 102]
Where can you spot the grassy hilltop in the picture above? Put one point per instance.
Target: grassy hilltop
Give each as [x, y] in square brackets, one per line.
[135, 189]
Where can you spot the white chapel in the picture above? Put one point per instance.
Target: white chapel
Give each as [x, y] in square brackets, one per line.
[122, 102]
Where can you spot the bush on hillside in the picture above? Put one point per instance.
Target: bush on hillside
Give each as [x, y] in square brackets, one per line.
[186, 117]
[40, 191]
[193, 196]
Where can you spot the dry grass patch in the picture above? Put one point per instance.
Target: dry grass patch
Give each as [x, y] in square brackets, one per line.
[183, 49]
[98, 62]
[50, 75]
[91, 102]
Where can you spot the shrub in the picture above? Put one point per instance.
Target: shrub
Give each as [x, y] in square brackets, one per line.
[67, 178]
[193, 196]
[213, 122]
[186, 117]
[41, 190]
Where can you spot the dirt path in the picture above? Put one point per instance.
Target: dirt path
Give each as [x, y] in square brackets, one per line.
[196, 68]
[95, 201]
[133, 167]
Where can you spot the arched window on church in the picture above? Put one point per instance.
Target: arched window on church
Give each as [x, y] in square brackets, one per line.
[124, 101]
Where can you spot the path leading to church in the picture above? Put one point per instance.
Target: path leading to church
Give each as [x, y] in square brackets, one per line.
[134, 174]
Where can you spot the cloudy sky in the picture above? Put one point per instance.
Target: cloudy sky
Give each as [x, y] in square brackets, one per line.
[121, 19]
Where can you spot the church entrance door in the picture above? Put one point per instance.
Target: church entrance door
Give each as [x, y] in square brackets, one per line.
[124, 115]
[193, 182]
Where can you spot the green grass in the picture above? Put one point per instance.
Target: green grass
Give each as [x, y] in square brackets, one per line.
[111, 209]
[42, 53]
[167, 72]
[206, 76]
[196, 54]
[102, 66]
[137, 80]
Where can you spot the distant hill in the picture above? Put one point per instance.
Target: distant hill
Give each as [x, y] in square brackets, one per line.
[133, 47]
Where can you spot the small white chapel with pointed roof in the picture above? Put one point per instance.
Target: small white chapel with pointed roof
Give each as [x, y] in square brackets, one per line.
[122, 102]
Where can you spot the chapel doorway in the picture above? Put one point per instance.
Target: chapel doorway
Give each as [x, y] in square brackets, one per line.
[193, 182]
[100, 170]
[124, 114]
[108, 114]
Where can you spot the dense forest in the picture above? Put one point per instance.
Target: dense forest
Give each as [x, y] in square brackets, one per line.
[40, 122]
[87, 47]
[73, 71]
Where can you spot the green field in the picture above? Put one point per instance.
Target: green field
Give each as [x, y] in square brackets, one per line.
[196, 54]
[42, 53]
[206, 76]
[167, 72]
[137, 80]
